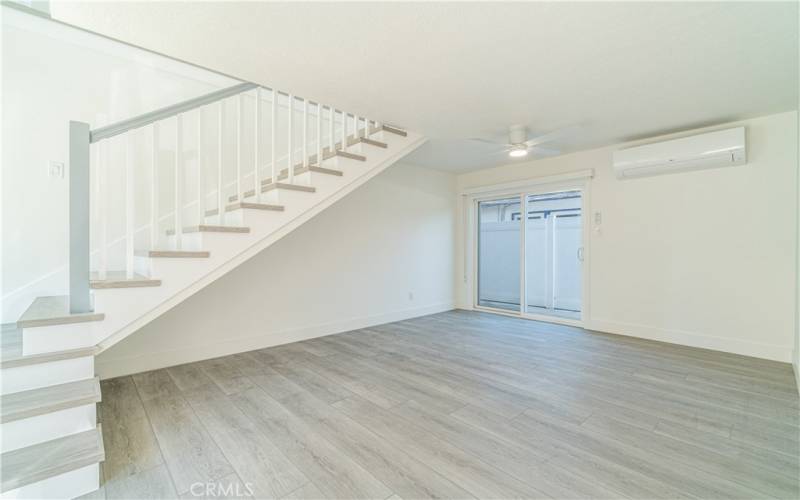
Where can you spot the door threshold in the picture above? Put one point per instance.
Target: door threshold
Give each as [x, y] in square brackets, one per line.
[532, 317]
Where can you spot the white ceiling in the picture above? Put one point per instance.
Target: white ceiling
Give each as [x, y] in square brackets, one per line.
[458, 70]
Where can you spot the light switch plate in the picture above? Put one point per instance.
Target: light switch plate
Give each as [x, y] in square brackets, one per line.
[55, 169]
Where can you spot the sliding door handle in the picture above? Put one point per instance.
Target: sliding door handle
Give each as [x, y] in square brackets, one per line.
[580, 254]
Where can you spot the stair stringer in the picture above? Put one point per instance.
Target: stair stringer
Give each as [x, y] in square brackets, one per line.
[109, 332]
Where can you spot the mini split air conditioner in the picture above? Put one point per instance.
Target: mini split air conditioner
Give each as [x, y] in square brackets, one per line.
[714, 149]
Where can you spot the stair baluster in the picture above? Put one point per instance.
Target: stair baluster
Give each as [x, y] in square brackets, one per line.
[257, 148]
[319, 134]
[178, 179]
[305, 133]
[201, 184]
[274, 144]
[220, 194]
[344, 131]
[129, 205]
[154, 236]
[239, 127]
[331, 117]
[291, 141]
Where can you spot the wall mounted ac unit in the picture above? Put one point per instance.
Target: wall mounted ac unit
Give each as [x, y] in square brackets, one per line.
[714, 149]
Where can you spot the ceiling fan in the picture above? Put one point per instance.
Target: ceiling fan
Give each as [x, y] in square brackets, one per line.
[519, 145]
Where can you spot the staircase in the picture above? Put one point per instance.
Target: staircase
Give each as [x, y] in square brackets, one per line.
[292, 159]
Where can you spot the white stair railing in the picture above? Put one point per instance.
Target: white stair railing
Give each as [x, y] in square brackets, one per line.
[87, 192]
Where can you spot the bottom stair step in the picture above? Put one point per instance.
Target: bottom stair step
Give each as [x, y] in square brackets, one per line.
[11, 355]
[51, 458]
[26, 404]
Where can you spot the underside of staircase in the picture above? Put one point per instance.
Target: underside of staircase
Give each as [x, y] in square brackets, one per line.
[52, 442]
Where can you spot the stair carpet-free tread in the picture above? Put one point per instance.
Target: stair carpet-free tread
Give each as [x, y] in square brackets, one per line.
[395, 130]
[373, 142]
[205, 228]
[255, 206]
[175, 254]
[119, 279]
[11, 351]
[54, 310]
[299, 170]
[351, 156]
[51, 458]
[26, 404]
[271, 186]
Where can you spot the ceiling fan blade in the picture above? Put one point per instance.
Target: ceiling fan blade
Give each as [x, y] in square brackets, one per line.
[551, 136]
[540, 151]
[478, 139]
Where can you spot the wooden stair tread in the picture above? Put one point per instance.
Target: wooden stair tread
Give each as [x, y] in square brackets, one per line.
[207, 228]
[249, 205]
[175, 254]
[280, 185]
[351, 156]
[51, 458]
[26, 404]
[300, 169]
[395, 130]
[119, 279]
[11, 351]
[54, 310]
[291, 187]
[373, 142]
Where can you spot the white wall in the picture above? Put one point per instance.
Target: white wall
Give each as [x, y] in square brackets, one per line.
[796, 357]
[353, 265]
[704, 258]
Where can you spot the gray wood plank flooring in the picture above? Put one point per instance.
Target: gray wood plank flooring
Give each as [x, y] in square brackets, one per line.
[457, 405]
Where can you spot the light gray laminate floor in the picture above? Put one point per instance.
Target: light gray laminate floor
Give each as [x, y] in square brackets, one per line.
[456, 405]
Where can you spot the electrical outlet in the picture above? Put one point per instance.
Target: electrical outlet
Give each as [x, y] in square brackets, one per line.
[55, 169]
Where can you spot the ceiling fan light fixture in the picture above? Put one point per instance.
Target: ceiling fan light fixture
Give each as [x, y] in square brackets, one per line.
[518, 152]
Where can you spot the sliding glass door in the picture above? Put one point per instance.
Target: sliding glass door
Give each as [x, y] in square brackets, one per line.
[545, 273]
[499, 253]
[553, 248]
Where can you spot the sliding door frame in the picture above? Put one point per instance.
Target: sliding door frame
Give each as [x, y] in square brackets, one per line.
[577, 181]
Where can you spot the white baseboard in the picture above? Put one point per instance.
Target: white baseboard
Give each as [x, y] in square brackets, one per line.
[116, 367]
[691, 339]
